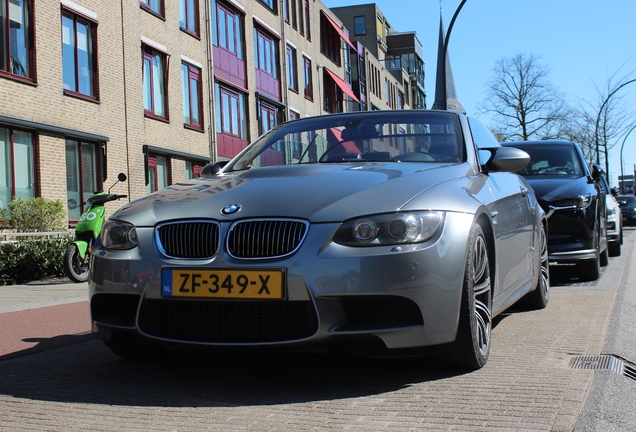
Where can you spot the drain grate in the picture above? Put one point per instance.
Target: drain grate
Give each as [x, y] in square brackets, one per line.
[603, 362]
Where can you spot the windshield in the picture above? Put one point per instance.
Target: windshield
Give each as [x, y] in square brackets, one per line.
[404, 136]
[551, 160]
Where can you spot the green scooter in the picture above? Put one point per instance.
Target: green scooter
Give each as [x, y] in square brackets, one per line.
[78, 254]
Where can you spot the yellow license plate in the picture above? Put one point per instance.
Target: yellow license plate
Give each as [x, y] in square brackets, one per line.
[219, 283]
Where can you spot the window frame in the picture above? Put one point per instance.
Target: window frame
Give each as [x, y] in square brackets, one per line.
[356, 23]
[186, 4]
[148, 54]
[193, 73]
[261, 57]
[10, 163]
[227, 115]
[92, 45]
[308, 78]
[152, 162]
[97, 167]
[160, 10]
[271, 5]
[29, 46]
[292, 68]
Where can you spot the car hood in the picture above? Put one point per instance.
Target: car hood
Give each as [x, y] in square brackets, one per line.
[550, 190]
[319, 193]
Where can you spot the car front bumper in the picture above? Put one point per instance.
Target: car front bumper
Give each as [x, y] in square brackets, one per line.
[404, 296]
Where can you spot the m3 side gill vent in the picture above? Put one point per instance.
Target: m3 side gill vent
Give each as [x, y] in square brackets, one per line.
[603, 362]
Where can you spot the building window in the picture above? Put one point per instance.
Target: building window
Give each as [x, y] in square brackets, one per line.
[265, 53]
[309, 84]
[301, 23]
[193, 169]
[294, 16]
[307, 21]
[228, 33]
[16, 38]
[192, 101]
[158, 172]
[231, 118]
[268, 117]
[79, 59]
[270, 4]
[189, 16]
[332, 96]
[330, 40]
[154, 80]
[154, 6]
[17, 166]
[359, 25]
[292, 74]
[380, 27]
[286, 10]
[82, 175]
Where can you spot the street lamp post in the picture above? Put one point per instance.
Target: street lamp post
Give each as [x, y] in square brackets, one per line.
[623, 145]
[444, 53]
[598, 117]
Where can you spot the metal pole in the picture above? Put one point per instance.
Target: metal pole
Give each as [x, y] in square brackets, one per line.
[598, 117]
[444, 52]
[623, 145]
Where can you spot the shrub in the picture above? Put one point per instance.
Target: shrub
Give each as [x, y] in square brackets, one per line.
[28, 260]
[35, 215]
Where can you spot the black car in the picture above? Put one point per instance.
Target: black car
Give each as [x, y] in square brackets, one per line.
[572, 196]
[628, 209]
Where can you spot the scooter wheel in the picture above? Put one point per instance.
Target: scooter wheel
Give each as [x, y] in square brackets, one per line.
[75, 267]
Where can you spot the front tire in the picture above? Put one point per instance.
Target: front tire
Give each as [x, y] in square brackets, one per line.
[471, 348]
[588, 270]
[75, 267]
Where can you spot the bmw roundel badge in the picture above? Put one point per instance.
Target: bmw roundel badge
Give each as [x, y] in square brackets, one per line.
[230, 209]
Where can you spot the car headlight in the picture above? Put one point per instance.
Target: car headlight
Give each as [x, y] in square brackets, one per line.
[390, 229]
[578, 202]
[611, 211]
[119, 235]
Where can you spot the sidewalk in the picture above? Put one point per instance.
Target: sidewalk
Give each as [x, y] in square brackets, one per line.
[39, 294]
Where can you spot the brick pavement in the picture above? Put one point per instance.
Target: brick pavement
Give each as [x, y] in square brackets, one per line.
[527, 384]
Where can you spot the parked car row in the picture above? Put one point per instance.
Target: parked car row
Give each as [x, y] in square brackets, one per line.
[584, 225]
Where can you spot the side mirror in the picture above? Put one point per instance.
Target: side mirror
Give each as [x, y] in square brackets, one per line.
[121, 177]
[597, 172]
[615, 191]
[508, 159]
[213, 168]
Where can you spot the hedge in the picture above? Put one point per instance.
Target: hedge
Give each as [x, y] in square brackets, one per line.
[30, 260]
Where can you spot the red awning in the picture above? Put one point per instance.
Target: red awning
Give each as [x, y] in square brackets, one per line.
[343, 85]
[337, 28]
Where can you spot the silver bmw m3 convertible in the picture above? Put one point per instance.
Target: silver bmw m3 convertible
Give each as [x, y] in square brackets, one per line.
[383, 232]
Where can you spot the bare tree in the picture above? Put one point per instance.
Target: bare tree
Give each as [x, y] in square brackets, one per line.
[524, 102]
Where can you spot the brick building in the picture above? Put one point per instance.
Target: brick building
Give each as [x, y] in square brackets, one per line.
[156, 89]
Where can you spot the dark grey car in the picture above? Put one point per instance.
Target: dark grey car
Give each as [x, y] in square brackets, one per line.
[373, 231]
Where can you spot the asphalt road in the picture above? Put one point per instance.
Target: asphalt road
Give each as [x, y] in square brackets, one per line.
[54, 376]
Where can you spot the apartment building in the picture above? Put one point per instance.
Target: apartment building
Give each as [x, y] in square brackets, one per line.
[156, 89]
